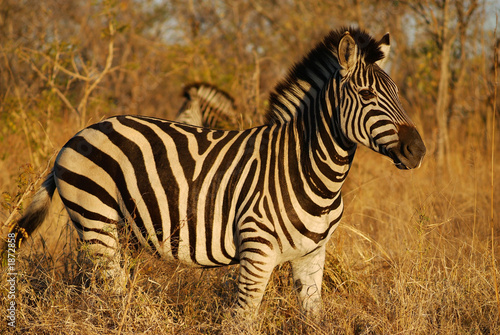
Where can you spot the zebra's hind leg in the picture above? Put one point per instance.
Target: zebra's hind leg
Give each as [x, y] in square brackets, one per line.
[102, 249]
[104, 272]
[307, 278]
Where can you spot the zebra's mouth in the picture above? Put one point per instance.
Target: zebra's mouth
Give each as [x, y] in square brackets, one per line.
[397, 162]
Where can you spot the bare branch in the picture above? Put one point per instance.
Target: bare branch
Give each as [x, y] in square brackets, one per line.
[82, 107]
[57, 65]
[50, 82]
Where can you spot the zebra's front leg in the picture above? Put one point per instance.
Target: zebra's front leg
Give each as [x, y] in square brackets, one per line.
[307, 278]
[256, 266]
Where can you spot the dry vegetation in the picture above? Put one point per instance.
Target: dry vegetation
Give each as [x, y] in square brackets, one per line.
[417, 251]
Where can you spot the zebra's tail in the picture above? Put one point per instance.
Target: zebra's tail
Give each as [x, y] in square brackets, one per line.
[36, 212]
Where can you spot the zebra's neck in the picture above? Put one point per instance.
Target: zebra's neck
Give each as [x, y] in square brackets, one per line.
[307, 101]
[326, 154]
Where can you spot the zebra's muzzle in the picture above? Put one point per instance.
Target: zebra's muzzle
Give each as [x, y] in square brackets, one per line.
[410, 150]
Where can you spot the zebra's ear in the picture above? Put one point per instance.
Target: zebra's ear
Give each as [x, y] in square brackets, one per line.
[385, 47]
[347, 53]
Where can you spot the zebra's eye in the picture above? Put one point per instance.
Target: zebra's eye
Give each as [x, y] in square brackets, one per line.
[367, 94]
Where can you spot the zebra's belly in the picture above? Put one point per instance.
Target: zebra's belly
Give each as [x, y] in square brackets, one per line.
[197, 244]
[187, 257]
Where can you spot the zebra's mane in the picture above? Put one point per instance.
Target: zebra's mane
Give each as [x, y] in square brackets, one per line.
[314, 70]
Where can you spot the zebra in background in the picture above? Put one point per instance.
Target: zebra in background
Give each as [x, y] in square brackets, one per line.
[258, 197]
[207, 106]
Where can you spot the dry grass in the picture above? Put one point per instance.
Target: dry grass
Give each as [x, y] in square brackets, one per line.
[412, 256]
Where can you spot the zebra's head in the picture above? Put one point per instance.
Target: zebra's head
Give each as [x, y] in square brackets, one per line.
[370, 110]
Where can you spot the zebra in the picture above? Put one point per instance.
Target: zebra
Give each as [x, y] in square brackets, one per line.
[257, 197]
[208, 106]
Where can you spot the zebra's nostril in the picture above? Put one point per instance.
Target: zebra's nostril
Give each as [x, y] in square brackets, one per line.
[408, 150]
[405, 150]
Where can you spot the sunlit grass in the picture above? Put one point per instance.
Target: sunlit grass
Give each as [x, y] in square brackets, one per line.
[411, 256]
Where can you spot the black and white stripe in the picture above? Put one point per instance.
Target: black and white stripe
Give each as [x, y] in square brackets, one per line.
[207, 106]
[257, 197]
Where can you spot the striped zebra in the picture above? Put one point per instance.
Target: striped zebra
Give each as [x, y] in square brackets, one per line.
[207, 106]
[258, 197]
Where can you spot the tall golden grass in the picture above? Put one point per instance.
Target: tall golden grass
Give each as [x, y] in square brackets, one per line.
[412, 255]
